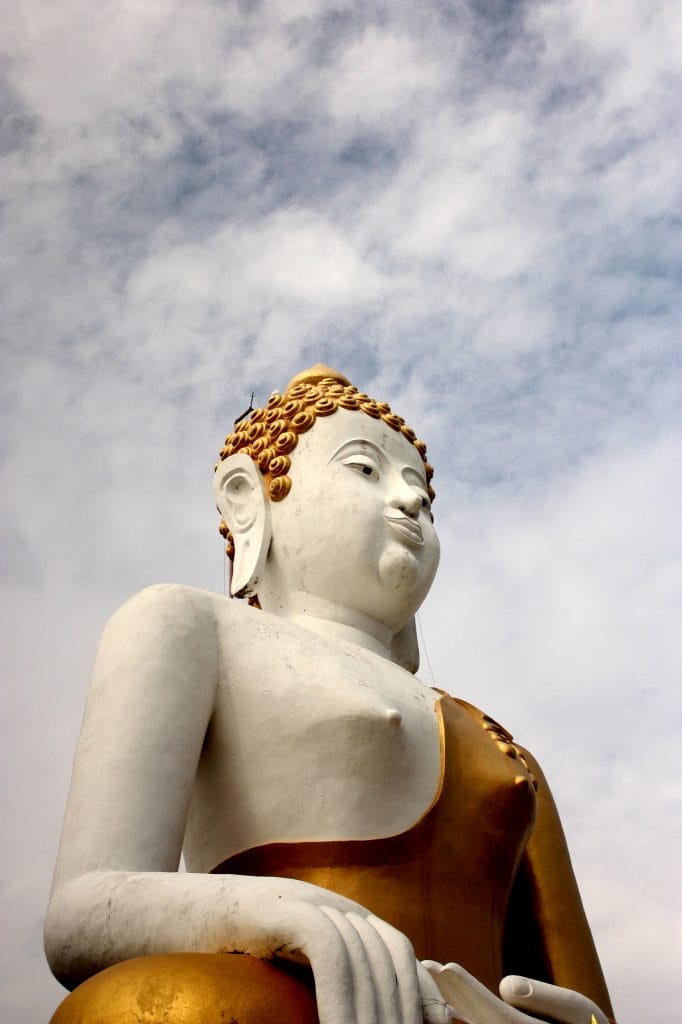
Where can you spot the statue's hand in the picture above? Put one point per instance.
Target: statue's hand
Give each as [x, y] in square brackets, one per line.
[562, 1004]
[476, 1004]
[365, 970]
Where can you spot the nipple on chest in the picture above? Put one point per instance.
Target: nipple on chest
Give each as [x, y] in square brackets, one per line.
[393, 717]
[504, 742]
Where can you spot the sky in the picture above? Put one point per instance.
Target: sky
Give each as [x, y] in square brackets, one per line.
[473, 210]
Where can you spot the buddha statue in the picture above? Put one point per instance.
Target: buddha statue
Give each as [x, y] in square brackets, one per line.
[360, 848]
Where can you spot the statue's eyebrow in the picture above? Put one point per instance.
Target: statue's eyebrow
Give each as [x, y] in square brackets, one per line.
[413, 476]
[356, 445]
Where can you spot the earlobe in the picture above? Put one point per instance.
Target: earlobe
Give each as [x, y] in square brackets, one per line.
[243, 503]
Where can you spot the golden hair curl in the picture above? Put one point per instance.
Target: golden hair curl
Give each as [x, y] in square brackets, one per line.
[269, 435]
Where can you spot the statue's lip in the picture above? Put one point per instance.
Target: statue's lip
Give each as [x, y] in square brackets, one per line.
[405, 526]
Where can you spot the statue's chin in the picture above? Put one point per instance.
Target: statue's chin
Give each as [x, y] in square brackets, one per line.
[400, 571]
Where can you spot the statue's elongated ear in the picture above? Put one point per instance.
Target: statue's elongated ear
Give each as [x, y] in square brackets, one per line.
[405, 647]
[242, 501]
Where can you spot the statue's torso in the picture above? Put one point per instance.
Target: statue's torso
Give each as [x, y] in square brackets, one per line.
[311, 739]
[332, 765]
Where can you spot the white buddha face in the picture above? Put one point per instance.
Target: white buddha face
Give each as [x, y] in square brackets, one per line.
[355, 529]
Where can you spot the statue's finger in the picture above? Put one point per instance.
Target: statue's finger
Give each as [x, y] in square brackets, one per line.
[362, 988]
[562, 1004]
[383, 969]
[471, 1000]
[326, 949]
[405, 966]
[435, 1009]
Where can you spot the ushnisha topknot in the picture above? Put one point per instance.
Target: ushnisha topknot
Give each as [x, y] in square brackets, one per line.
[269, 435]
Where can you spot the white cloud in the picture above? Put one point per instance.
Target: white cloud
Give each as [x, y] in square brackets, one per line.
[380, 77]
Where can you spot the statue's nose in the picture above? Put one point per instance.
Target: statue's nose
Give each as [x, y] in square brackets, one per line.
[404, 498]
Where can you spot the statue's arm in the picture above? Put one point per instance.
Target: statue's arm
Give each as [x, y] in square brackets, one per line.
[150, 701]
[117, 893]
[547, 935]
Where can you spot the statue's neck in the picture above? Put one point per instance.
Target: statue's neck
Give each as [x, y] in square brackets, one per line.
[331, 620]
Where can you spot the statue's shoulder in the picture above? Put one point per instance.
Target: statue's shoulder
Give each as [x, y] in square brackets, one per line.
[173, 609]
[164, 633]
[169, 598]
[490, 725]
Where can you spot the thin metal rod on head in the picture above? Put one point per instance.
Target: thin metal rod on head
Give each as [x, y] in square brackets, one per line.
[246, 411]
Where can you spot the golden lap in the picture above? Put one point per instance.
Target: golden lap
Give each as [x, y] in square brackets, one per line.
[190, 988]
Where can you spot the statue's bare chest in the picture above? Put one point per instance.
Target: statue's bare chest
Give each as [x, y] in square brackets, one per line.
[312, 740]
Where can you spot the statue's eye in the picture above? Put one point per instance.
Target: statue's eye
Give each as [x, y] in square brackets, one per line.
[363, 466]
